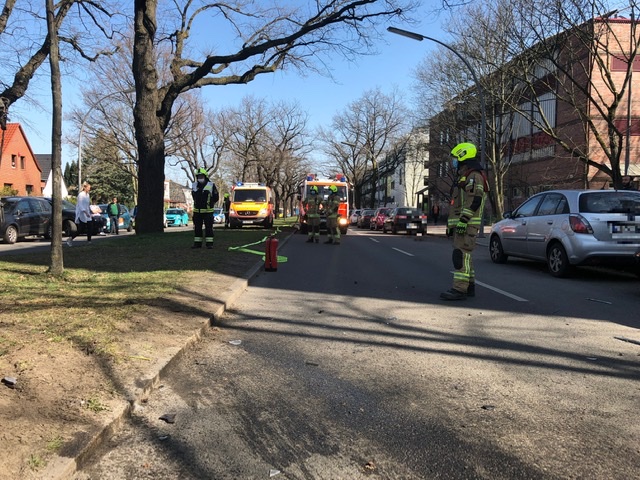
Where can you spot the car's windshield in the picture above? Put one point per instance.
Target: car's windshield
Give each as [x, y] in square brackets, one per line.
[324, 192]
[407, 211]
[250, 195]
[7, 205]
[610, 202]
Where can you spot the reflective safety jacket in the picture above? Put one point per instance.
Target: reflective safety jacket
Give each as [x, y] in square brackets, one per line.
[468, 199]
[332, 205]
[203, 201]
[312, 206]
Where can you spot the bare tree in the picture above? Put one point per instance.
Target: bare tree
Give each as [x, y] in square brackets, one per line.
[582, 55]
[56, 266]
[364, 134]
[269, 38]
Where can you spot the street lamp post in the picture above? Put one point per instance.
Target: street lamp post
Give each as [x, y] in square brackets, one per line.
[483, 110]
[483, 113]
[84, 120]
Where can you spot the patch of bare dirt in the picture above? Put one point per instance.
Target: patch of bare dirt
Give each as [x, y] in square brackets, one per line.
[63, 396]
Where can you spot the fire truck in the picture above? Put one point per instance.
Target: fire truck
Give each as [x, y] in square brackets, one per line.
[323, 185]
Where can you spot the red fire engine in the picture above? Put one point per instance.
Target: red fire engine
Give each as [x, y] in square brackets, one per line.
[339, 181]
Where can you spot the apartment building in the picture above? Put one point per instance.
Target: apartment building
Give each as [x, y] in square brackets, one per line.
[574, 105]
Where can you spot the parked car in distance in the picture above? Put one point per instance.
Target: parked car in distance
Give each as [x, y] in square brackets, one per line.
[218, 215]
[124, 221]
[568, 228]
[176, 217]
[353, 218]
[377, 221]
[405, 219]
[23, 217]
[364, 219]
[68, 217]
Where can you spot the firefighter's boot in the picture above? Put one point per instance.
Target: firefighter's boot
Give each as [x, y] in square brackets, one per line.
[453, 294]
[329, 241]
[310, 240]
[471, 290]
[196, 245]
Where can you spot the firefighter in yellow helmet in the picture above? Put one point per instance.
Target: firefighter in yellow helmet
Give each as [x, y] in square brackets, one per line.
[205, 196]
[464, 219]
[312, 206]
[331, 206]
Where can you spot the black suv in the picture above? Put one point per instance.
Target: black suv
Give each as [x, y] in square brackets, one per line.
[23, 217]
[405, 219]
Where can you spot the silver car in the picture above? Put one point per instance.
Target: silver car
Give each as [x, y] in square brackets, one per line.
[567, 228]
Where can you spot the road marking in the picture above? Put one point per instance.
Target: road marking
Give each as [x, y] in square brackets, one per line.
[502, 292]
[374, 240]
[402, 251]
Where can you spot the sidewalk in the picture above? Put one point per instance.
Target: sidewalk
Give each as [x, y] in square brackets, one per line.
[139, 385]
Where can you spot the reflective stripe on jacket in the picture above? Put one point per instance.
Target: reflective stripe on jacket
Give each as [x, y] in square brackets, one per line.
[202, 197]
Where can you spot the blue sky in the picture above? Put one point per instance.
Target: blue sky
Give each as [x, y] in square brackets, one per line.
[318, 95]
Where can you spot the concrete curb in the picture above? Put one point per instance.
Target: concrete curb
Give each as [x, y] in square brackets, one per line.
[63, 468]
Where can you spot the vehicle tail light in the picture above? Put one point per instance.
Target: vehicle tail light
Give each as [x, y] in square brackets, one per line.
[579, 224]
[423, 217]
[401, 216]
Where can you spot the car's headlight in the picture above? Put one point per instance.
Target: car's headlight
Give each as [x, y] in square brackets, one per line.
[263, 211]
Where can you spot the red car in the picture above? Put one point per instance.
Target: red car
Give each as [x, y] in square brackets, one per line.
[377, 221]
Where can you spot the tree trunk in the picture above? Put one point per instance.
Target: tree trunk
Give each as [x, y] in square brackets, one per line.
[56, 266]
[148, 122]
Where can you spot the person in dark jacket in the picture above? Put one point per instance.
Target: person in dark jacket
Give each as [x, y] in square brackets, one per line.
[227, 207]
[205, 196]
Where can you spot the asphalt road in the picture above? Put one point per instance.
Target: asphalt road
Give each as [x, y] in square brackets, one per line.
[345, 364]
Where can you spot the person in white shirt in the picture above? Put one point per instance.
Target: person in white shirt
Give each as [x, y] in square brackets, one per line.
[83, 214]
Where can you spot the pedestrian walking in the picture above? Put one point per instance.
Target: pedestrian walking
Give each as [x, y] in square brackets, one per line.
[331, 207]
[205, 196]
[113, 211]
[83, 214]
[226, 206]
[312, 206]
[464, 219]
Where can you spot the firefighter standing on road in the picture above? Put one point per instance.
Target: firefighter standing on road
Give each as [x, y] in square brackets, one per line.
[205, 196]
[332, 205]
[312, 206]
[464, 220]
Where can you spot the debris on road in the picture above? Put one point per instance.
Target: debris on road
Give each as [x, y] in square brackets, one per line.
[169, 417]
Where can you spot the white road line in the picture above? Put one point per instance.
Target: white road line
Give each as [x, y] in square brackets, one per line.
[402, 251]
[502, 292]
[374, 240]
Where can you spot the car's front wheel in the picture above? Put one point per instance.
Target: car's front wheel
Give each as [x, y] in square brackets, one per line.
[11, 234]
[495, 250]
[558, 261]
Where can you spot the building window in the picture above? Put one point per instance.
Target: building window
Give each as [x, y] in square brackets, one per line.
[8, 186]
[619, 63]
[29, 188]
[13, 161]
[22, 163]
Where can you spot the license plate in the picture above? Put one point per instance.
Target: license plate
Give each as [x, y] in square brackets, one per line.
[247, 221]
[622, 228]
[411, 226]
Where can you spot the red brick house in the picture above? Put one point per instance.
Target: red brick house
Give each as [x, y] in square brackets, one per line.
[20, 172]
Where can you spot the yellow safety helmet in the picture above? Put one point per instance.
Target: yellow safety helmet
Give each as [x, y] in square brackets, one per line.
[313, 189]
[464, 151]
[333, 188]
[226, 195]
[202, 171]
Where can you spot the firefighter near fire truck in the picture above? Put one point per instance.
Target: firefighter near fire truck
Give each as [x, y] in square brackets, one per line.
[333, 213]
[323, 191]
[312, 206]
